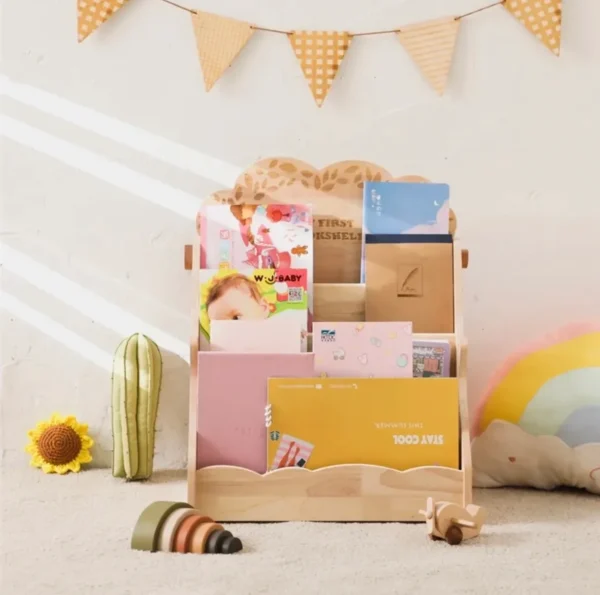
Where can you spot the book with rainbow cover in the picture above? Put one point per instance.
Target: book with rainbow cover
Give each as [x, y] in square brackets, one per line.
[262, 295]
[392, 422]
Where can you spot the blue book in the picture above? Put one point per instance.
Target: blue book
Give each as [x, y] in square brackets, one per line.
[391, 208]
[408, 238]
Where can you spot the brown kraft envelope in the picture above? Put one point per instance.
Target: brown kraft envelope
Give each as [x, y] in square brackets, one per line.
[411, 281]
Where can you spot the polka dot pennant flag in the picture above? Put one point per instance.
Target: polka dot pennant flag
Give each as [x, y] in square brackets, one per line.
[93, 13]
[543, 18]
[431, 46]
[320, 54]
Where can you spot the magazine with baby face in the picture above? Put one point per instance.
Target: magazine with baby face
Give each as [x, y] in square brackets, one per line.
[262, 295]
[248, 237]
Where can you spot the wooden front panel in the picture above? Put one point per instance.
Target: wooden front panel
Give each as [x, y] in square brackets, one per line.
[340, 493]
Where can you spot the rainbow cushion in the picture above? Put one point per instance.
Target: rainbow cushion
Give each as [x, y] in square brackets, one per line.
[538, 423]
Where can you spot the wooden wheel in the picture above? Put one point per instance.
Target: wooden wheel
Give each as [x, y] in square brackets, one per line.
[454, 535]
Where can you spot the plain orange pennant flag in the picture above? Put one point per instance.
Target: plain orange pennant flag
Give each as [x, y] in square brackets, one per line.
[219, 41]
[431, 46]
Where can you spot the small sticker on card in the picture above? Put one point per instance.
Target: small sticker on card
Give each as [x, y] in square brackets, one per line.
[292, 452]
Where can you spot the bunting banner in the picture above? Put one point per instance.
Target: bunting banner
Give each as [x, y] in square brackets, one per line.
[320, 54]
[430, 44]
[219, 40]
[92, 13]
[543, 18]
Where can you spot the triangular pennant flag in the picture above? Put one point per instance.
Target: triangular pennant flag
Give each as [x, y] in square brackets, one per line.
[431, 46]
[320, 54]
[219, 41]
[543, 18]
[92, 13]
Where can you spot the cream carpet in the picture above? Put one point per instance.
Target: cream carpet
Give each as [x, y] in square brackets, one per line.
[70, 535]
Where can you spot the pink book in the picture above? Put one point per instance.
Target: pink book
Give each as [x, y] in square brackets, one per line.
[232, 396]
[363, 349]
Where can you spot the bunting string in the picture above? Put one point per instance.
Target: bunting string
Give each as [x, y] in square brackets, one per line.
[359, 34]
[430, 44]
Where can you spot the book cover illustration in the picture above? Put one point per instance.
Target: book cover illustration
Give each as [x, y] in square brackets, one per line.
[431, 359]
[232, 396]
[406, 207]
[291, 452]
[247, 237]
[391, 208]
[363, 349]
[319, 422]
[281, 335]
[263, 294]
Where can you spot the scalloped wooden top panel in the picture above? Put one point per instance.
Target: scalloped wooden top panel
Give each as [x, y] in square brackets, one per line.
[336, 194]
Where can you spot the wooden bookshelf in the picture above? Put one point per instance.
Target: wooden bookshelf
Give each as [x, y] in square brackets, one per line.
[341, 492]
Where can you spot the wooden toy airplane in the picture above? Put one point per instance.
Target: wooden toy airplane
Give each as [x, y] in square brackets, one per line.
[451, 522]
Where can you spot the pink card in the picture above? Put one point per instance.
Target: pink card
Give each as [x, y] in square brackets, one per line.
[363, 349]
[272, 335]
[232, 396]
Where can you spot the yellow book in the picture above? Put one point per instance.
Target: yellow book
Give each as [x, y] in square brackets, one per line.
[399, 423]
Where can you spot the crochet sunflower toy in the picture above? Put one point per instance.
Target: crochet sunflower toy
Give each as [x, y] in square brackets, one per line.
[59, 445]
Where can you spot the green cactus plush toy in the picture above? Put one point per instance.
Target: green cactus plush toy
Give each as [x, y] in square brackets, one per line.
[136, 382]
